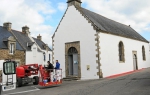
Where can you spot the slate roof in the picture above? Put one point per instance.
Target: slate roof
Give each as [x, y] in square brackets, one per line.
[30, 43]
[23, 39]
[4, 35]
[41, 44]
[110, 26]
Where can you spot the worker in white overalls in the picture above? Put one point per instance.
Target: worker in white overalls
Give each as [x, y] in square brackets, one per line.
[57, 71]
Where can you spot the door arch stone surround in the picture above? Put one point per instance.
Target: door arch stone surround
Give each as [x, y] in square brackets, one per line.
[67, 47]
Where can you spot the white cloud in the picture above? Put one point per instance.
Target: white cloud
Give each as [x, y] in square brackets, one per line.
[62, 6]
[46, 34]
[130, 12]
[32, 13]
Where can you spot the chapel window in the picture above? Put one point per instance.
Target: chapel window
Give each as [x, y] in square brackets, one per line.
[121, 52]
[143, 53]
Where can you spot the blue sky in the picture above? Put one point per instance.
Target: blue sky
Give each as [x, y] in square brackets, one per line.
[43, 16]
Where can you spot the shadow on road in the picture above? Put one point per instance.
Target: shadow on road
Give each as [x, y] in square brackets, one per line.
[47, 87]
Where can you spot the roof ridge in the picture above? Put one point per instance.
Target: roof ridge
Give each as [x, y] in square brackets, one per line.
[13, 29]
[16, 30]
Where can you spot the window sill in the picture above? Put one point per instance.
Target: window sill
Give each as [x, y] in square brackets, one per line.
[121, 62]
[11, 53]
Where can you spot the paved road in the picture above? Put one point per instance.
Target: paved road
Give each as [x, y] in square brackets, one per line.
[134, 84]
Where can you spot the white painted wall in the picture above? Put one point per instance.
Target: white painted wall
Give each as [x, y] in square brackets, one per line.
[74, 27]
[39, 58]
[110, 54]
[33, 57]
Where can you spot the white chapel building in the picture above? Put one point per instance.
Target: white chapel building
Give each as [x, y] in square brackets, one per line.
[91, 46]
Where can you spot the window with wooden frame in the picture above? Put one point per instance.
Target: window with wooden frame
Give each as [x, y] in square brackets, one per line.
[44, 56]
[34, 51]
[49, 57]
[121, 52]
[143, 53]
[11, 48]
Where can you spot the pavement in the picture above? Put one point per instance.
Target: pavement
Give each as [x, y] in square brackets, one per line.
[135, 83]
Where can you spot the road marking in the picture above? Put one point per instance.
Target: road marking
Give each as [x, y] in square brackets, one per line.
[36, 89]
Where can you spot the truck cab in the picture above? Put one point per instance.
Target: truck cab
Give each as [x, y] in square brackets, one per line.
[7, 75]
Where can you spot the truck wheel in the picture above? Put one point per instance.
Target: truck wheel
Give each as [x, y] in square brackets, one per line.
[36, 80]
[19, 82]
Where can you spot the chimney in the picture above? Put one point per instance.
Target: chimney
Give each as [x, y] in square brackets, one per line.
[74, 2]
[39, 37]
[25, 30]
[7, 25]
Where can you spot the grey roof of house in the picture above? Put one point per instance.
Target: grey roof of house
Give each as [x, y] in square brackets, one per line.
[4, 35]
[23, 39]
[41, 43]
[110, 26]
[31, 43]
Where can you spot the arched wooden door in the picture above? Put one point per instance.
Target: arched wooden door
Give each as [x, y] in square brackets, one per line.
[135, 65]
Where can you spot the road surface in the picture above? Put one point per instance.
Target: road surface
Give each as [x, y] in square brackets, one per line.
[137, 83]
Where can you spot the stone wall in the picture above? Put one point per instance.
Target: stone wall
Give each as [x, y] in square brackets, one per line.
[18, 56]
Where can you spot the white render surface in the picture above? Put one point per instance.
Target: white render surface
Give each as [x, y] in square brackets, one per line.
[110, 54]
[33, 57]
[70, 31]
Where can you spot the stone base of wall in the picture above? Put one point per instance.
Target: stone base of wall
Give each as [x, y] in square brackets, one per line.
[18, 56]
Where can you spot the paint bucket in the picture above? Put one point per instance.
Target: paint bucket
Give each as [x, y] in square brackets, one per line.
[45, 81]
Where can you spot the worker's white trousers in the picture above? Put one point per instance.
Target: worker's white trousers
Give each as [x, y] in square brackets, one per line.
[58, 75]
[51, 76]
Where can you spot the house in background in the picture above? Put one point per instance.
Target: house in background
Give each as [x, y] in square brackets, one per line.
[9, 46]
[91, 46]
[33, 51]
[36, 50]
[47, 52]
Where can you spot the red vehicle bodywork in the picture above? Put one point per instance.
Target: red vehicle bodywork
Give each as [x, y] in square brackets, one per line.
[27, 70]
